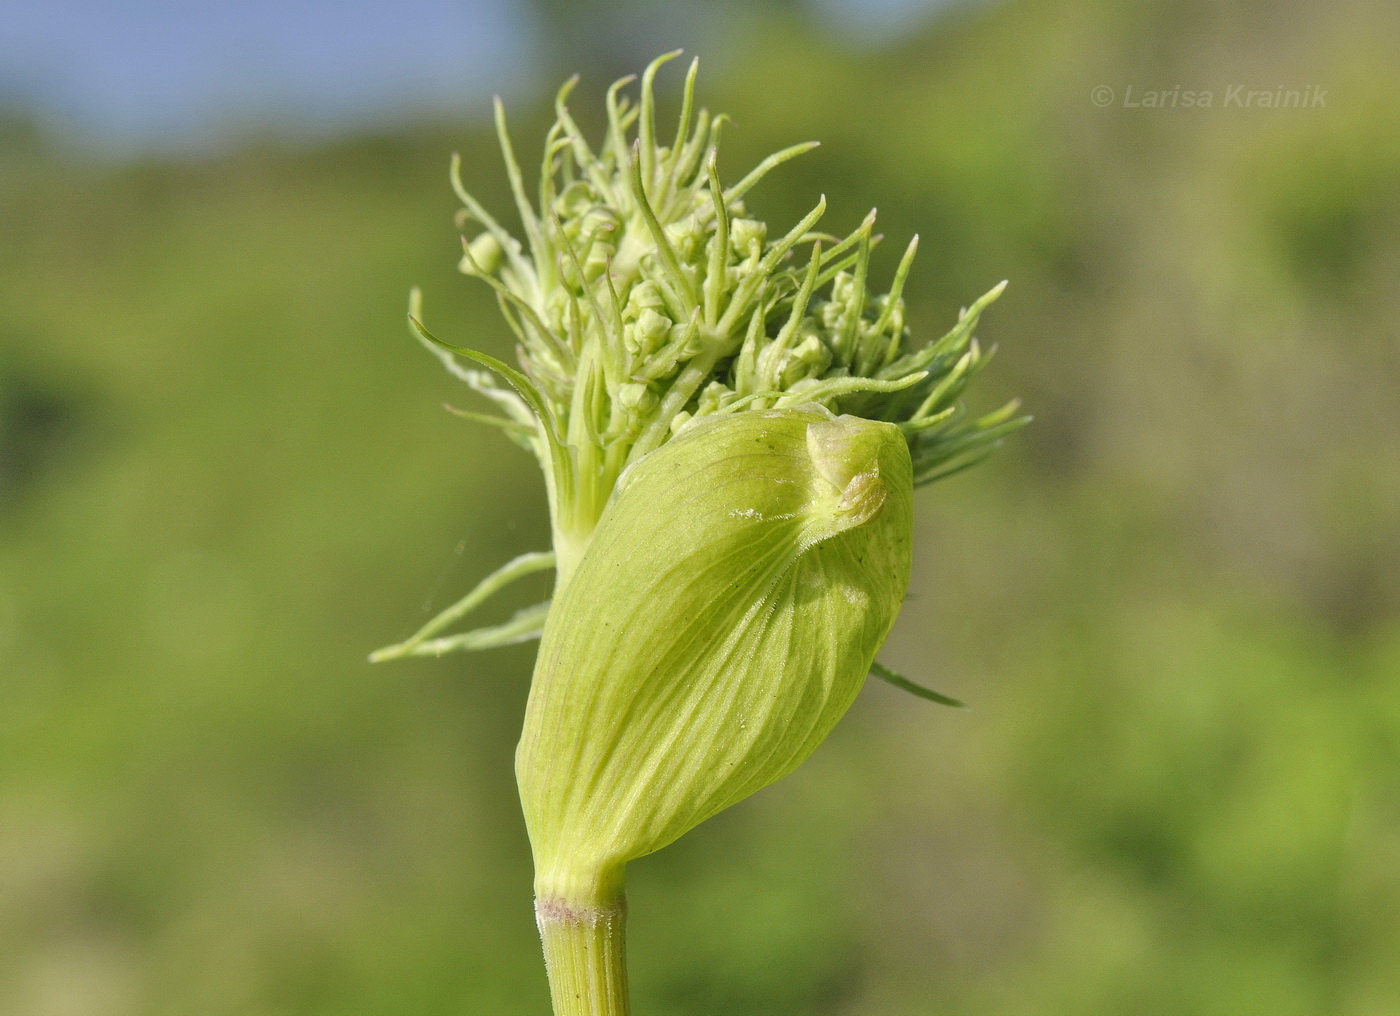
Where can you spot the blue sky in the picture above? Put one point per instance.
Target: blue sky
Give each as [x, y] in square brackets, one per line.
[161, 73]
[157, 70]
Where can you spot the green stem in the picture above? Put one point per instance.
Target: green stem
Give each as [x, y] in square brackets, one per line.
[569, 545]
[585, 954]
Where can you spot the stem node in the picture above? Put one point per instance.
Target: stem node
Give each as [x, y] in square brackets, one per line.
[585, 954]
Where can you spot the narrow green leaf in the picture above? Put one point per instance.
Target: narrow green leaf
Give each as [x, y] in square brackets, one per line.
[679, 282]
[518, 431]
[646, 126]
[518, 568]
[818, 391]
[517, 380]
[765, 167]
[884, 673]
[523, 626]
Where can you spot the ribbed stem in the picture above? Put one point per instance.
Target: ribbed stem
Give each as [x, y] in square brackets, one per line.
[585, 953]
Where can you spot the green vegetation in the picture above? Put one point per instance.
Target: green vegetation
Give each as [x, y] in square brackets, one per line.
[1173, 604]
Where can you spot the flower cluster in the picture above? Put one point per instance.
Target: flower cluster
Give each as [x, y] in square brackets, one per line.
[730, 434]
[643, 297]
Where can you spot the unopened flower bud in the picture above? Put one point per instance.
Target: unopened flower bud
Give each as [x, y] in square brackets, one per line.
[483, 254]
[651, 330]
[810, 359]
[701, 652]
[747, 236]
[635, 397]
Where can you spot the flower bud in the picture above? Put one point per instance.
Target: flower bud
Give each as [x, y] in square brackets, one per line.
[483, 254]
[723, 618]
[686, 235]
[635, 397]
[748, 236]
[648, 333]
[810, 359]
[644, 295]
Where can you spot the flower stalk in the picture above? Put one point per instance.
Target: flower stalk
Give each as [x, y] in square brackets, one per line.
[731, 426]
[585, 955]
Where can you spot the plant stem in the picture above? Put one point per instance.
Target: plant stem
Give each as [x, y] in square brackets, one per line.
[585, 954]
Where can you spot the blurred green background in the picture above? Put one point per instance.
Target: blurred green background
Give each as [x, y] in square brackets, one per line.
[1174, 601]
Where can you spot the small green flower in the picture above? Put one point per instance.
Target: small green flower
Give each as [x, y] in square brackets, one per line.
[730, 436]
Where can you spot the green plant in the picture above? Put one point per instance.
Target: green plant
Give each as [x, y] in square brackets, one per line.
[730, 442]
